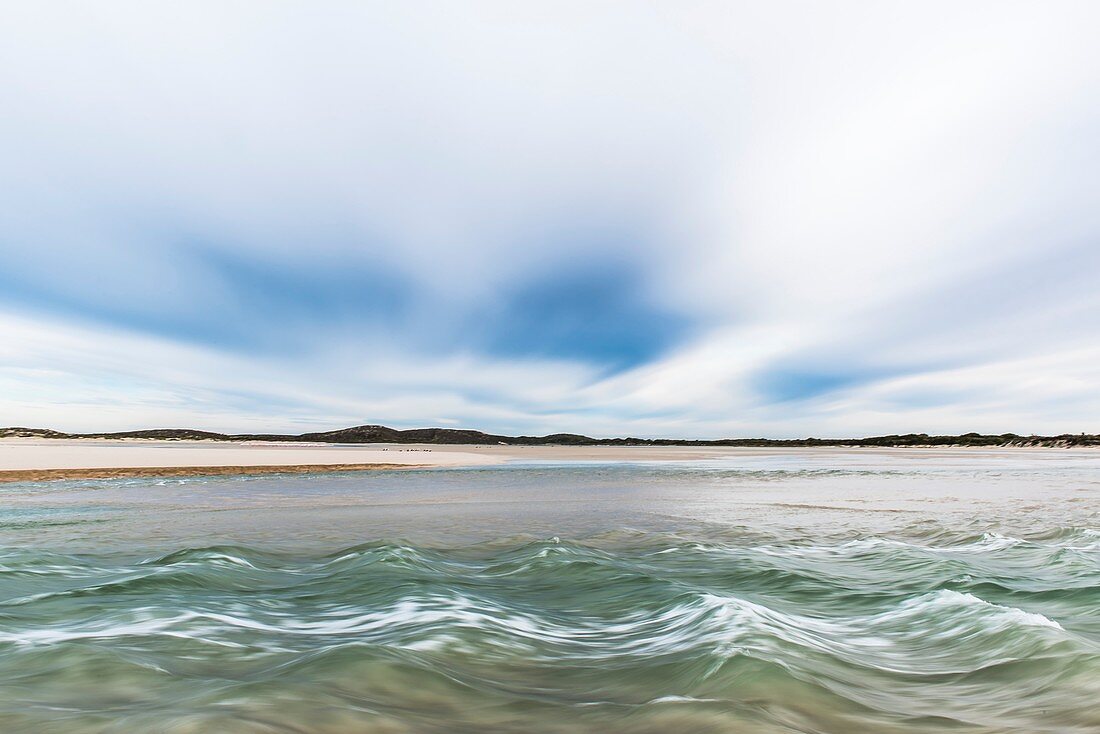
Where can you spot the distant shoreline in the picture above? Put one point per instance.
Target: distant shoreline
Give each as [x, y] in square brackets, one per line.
[375, 434]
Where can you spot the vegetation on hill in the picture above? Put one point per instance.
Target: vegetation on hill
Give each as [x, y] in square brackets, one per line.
[383, 434]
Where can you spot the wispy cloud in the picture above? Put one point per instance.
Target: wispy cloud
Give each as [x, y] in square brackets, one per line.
[703, 219]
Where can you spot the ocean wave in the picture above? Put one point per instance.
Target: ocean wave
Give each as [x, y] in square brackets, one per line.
[637, 622]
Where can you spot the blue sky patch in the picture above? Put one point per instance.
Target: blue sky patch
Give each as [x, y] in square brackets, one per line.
[600, 315]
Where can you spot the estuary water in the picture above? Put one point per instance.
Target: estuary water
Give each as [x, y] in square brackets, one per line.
[829, 591]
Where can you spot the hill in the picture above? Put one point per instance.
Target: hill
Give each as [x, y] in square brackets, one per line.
[458, 436]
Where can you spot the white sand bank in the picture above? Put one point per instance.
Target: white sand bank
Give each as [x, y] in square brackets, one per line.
[20, 454]
[28, 454]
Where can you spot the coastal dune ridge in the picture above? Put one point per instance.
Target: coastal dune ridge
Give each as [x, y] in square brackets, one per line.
[459, 436]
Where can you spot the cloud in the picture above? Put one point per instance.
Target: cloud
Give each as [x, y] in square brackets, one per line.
[703, 219]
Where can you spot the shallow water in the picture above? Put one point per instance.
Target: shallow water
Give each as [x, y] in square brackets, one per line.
[803, 592]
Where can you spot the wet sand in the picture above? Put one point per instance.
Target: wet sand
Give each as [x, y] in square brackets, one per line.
[42, 475]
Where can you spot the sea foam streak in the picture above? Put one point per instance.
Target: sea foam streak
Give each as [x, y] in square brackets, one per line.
[586, 634]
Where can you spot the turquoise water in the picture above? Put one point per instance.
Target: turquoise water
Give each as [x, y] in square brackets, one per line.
[835, 592]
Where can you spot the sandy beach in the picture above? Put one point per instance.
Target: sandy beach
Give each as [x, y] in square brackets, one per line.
[43, 459]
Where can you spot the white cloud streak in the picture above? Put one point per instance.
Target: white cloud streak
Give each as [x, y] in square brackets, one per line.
[892, 202]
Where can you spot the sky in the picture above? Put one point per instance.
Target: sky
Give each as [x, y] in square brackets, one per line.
[682, 219]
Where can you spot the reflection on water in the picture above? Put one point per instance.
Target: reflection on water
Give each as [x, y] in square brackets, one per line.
[851, 592]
